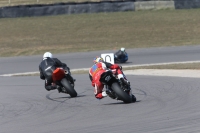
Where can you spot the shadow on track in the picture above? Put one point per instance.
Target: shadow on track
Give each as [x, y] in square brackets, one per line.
[119, 103]
[65, 97]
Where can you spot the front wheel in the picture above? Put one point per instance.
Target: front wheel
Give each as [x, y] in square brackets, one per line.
[70, 90]
[122, 95]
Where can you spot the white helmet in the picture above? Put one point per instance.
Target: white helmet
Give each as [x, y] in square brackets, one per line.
[47, 54]
[122, 49]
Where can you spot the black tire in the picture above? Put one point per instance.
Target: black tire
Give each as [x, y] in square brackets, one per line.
[133, 98]
[68, 87]
[122, 95]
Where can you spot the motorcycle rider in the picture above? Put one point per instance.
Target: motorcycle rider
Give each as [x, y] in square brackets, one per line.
[46, 68]
[121, 56]
[98, 69]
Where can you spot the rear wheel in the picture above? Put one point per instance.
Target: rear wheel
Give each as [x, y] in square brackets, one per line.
[133, 98]
[68, 87]
[122, 95]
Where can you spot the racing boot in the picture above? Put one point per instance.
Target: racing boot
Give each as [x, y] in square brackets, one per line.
[101, 95]
[104, 94]
[51, 87]
[59, 88]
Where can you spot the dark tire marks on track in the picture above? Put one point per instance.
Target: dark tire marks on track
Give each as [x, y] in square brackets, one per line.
[164, 104]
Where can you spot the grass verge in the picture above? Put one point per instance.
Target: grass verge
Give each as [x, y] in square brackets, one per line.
[100, 31]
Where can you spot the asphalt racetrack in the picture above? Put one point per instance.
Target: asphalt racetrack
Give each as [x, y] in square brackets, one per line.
[23, 64]
[164, 104]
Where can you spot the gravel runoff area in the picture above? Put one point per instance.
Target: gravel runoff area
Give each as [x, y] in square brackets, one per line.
[165, 72]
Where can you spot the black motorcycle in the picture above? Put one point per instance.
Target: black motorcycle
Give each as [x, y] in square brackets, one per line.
[116, 89]
[120, 57]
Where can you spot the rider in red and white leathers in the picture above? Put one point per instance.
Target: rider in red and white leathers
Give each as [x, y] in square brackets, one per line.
[98, 69]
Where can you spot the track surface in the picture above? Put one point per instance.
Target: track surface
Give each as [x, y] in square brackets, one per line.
[84, 60]
[165, 104]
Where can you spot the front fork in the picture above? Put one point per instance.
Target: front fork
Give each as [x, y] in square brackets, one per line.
[126, 88]
[70, 79]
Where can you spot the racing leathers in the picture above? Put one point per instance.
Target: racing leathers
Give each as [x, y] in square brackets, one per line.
[97, 70]
[46, 68]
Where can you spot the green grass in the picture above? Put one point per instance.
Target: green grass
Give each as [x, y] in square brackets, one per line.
[100, 31]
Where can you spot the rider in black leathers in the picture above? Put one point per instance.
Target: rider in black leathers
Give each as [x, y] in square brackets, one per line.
[46, 68]
[121, 56]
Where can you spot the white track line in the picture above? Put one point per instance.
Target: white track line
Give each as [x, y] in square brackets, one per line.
[85, 69]
[165, 72]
